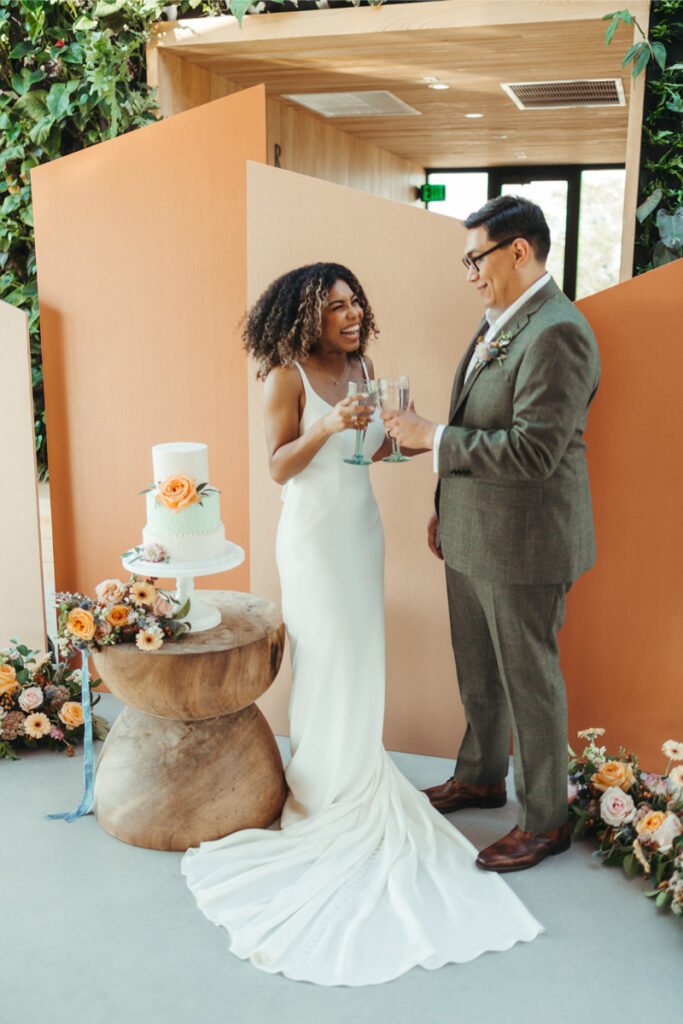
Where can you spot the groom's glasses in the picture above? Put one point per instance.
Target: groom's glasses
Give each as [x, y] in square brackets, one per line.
[472, 262]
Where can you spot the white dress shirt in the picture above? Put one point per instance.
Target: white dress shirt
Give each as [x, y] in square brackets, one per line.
[495, 325]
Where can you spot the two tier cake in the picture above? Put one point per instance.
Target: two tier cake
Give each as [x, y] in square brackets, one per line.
[183, 510]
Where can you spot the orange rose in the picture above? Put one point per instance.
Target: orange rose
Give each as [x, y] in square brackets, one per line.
[177, 492]
[117, 615]
[71, 714]
[8, 680]
[613, 773]
[81, 623]
[651, 822]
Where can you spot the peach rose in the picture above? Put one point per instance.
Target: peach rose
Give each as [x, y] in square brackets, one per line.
[650, 823]
[177, 492]
[8, 679]
[616, 807]
[118, 615]
[613, 773]
[670, 828]
[162, 607]
[81, 623]
[71, 714]
[110, 591]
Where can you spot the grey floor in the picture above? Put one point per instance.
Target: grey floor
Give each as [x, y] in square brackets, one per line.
[94, 930]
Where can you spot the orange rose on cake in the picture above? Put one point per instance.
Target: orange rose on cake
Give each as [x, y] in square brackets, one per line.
[177, 492]
[81, 623]
[613, 773]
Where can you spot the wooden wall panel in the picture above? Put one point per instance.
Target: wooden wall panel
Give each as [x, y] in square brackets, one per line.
[622, 646]
[142, 283]
[22, 612]
[307, 144]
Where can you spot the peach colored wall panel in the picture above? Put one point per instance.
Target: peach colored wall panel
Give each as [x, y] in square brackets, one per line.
[622, 647]
[142, 282]
[409, 263]
[22, 612]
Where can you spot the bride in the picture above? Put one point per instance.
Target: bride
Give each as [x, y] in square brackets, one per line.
[364, 879]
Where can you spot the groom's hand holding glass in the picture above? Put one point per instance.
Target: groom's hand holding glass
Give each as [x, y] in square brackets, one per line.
[409, 429]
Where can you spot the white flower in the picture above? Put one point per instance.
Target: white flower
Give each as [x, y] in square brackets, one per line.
[616, 807]
[2, 712]
[673, 750]
[482, 353]
[589, 734]
[30, 698]
[664, 836]
[676, 776]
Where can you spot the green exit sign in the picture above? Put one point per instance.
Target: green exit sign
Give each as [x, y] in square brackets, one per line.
[433, 193]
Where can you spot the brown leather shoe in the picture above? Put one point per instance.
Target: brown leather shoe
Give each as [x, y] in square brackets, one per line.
[519, 850]
[452, 795]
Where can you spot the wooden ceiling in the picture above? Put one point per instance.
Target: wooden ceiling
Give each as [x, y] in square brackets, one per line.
[472, 45]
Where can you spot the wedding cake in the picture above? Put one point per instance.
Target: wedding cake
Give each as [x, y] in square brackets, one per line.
[183, 510]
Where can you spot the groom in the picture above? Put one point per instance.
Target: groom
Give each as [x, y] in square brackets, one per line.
[514, 524]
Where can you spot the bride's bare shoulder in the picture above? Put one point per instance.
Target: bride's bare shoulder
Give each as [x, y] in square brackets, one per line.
[283, 383]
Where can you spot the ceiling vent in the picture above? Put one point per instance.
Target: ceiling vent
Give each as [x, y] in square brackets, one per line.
[586, 92]
[376, 103]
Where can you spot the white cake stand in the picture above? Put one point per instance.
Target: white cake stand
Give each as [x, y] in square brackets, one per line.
[200, 616]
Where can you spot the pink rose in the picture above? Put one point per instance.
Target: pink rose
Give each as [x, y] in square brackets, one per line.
[664, 836]
[104, 628]
[572, 791]
[162, 607]
[30, 698]
[616, 807]
[111, 591]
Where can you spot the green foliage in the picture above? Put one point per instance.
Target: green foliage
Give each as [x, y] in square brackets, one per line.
[71, 74]
[659, 239]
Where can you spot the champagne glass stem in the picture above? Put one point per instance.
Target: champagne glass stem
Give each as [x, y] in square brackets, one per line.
[360, 437]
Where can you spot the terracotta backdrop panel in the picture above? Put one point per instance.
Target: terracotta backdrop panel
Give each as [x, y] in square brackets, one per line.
[408, 260]
[22, 612]
[142, 283]
[622, 646]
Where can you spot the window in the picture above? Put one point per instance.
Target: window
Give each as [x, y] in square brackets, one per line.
[583, 207]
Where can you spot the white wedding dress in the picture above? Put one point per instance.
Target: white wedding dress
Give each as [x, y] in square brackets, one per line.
[364, 880]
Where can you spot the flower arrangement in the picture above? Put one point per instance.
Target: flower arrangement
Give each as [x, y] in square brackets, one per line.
[497, 349]
[636, 816]
[135, 612]
[40, 703]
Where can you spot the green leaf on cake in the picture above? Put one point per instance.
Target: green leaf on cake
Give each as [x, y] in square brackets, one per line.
[182, 612]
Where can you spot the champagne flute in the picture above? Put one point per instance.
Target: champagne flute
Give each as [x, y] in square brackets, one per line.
[394, 396]
[369, 397]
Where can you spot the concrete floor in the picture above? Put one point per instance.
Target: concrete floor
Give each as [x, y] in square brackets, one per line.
[93, 930]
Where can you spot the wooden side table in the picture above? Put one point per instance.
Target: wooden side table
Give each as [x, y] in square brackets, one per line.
[191, 757]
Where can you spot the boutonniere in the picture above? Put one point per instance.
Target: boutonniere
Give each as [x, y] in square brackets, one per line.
[486, 351]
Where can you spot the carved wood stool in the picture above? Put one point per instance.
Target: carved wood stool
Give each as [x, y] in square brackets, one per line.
[191, 757]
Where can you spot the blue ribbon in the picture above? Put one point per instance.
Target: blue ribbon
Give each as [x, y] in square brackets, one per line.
[86, 803]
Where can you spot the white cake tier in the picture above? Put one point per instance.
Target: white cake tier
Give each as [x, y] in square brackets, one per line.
[194, 547]
[194, 534]
[184, 457]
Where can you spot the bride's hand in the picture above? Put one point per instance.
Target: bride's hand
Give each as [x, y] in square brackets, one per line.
[348, 414]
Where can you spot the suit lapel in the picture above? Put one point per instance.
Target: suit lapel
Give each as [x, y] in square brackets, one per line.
[459, 381]
[510, 329]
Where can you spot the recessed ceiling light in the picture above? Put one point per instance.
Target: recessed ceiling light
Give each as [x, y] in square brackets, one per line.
[521, 156]
[430, 78]
[438, 85]
[499, 136]
[474, 115]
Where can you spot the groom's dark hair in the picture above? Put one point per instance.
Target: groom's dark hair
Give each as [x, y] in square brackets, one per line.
[514, 217]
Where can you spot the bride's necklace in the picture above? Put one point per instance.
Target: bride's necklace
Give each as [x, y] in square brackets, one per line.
[327, 375]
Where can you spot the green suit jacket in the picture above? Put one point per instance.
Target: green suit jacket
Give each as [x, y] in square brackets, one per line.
[513, 499]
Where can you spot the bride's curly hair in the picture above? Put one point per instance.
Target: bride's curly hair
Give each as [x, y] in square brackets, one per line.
[285, 323]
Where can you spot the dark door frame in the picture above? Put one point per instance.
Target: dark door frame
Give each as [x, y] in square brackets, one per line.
[516, 175]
